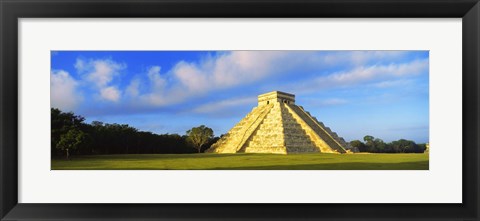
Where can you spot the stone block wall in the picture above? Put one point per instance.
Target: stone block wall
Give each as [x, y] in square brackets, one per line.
[324, 133]
[277, 125]
[232, 141]
[268, 138]
[296, 138]
[318, 141]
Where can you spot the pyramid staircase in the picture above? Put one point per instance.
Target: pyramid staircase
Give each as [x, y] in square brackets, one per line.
[325, 133]
[277, 125]
[231, 141]
[278, 133]
[297, 139]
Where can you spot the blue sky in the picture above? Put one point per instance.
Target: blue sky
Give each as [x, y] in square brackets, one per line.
[379, 93]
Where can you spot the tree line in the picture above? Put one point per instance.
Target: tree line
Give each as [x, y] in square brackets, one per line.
[70, 135]
[376, 145]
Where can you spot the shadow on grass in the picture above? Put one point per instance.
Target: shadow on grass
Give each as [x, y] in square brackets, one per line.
[420, 165]
[163, 156]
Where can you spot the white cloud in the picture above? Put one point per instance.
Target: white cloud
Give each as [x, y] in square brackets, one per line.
[157, 81]
[243, 67]
[64, 94]
[377, 71]
[223, 105]
[362, 57]
[325, 102]
[110, 93]
[101, 73]
[133, 88]
[392, 83]
[79, 65]
[369, 74]
[333, 101]
[358, 58]
[156, 94]
[188, 80]
[192, 77]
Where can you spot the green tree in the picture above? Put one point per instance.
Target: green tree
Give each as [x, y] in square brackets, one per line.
[368, 138]
[369, 143]
[379, 146]
[61, 123]
[71, 141]
[406, 146]
[359, 145]
[198, 136]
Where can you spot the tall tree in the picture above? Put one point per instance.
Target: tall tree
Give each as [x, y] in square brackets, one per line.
[368, 138]
[61, 123]
[380, 146]
[198, 136]
[359, 145]
[369, 143]
[71, 141]
[406, 146]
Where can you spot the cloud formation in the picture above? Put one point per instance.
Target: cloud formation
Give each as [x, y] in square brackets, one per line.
[63, 91]
[101, 73]
[189, 88]
[187, 80]
[364, 74]
[220, 106]
[110, 93]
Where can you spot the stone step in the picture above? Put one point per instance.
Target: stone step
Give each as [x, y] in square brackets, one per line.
[266, 133]
[254, 126]
[232, 140]
[334, 135]
[332, 142]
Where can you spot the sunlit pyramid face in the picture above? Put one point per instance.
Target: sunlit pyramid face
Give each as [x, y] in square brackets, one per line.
[278, 125]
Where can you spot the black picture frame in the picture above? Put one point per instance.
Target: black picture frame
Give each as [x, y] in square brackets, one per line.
[11, 11]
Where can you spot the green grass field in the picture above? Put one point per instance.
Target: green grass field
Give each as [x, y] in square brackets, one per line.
[245, 162]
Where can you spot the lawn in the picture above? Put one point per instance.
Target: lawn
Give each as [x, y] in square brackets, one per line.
[211, 161]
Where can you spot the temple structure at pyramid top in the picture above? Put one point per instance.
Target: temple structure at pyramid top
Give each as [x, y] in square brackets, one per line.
[276, 96]
[278, 125]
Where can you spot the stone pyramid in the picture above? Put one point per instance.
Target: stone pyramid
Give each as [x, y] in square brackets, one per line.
[277, 125]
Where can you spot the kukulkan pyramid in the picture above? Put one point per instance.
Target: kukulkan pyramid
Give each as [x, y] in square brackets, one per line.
[277, 125]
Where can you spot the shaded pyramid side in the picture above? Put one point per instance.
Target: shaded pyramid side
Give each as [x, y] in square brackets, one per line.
[279, 128]
[325, 139]
[279, 133]
[297, 140]
[234, 139]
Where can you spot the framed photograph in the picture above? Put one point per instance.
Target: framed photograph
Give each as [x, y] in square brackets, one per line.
[320, 110]
[180, 118]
